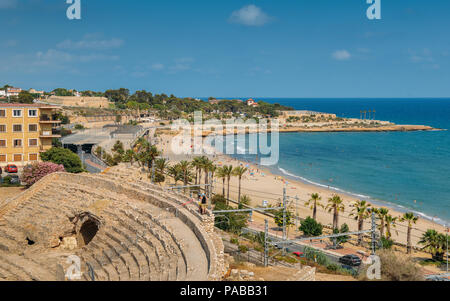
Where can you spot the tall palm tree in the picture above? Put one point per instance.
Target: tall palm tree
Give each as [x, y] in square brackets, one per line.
[370, 113]
[221, 175]
[361, 211]
[197, 164]
[390, 223]
[365, 114]
[373, 114]
[336, 205]
[411, 219]
[382, 213]
[239, 172]
[313, 203]
[228, 170]
[185, 169]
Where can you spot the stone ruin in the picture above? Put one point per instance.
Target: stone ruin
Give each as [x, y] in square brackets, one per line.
[119, 227]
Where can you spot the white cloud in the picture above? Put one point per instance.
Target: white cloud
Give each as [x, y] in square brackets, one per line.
[10, 43]
[250, 15]
[341, 55]
[8, 4]
[157, 67]
[88, 43]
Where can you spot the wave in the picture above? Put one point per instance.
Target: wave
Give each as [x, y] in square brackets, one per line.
[396, 207]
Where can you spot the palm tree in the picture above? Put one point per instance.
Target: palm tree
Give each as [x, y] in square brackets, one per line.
[336, 205]
[197, 164]
[365, 114]
[373, 114]
[382, 213]
[221, 175]
[411, 219]
[185, 169]
[239, 172]
[390, 222]
[434, 243]
[228, 170]
[175, 172]
[313, 203]
[161, 165]
[361, 211]
[370, 112]
[129, 156]
[147, 153]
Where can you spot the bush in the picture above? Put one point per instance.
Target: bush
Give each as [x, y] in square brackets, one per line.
[243, 249]
[234, 241]
[311, 227]
[70, 161]
[316, 256]
[79, 127]
[33, 173]
[233, 221]
[386, 243]
[395, 268]
[7, 180]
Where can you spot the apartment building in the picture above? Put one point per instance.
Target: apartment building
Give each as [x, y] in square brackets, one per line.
[26, 130]
[13, 92]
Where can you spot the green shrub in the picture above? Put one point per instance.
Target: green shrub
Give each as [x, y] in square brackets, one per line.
[234, 241]
[70, 160]
[243, 249]
[311, 227]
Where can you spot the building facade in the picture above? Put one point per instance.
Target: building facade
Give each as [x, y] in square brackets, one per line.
[13, 92]
[26, 130]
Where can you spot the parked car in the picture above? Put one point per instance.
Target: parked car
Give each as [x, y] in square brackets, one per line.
[10, 168]
[350, 260]
[299, 254]
[15, 180]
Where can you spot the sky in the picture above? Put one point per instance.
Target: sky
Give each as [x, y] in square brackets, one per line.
[229, 48]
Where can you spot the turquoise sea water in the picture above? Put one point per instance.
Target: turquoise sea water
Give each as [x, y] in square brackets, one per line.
[405, 170]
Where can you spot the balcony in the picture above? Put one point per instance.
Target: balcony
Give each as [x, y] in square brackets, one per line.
[46, 119]
[49, 134]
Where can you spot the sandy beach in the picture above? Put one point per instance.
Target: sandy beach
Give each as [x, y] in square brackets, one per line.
[262, 185]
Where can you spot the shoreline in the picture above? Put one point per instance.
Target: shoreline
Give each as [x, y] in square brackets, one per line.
[265, 184]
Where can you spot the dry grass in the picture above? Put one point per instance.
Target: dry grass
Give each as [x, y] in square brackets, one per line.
[396, 268]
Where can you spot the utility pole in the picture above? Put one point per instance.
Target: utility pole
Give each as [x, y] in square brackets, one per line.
[284, 219]
[266, 245]
[374, 227]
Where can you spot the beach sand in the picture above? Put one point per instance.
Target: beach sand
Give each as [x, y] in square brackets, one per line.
[261, 185]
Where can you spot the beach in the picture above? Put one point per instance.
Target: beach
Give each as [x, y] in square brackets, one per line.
[261, 185]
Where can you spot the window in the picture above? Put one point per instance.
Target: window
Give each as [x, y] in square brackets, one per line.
[32, 142]
[32, 113]
[33, 157]
[32, 128]
[2, 158]
[17, 142]
[17, 128]
[2, 128]
[2, 113]
[17, 158]
[17, 113]
[2, 143]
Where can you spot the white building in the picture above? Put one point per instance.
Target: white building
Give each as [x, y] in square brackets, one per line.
[2, 93]
[11, 92]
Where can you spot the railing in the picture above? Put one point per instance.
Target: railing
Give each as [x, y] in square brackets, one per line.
[46, 118]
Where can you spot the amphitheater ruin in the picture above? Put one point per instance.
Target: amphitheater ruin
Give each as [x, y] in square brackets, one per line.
[121, 228]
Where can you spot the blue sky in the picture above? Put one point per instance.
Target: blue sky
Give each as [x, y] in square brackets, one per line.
[227, 48]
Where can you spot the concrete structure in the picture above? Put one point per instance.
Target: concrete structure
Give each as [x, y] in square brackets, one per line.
[119, 227]
[33, 91]
[74, 101]
[25, 131]
[2, 93]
